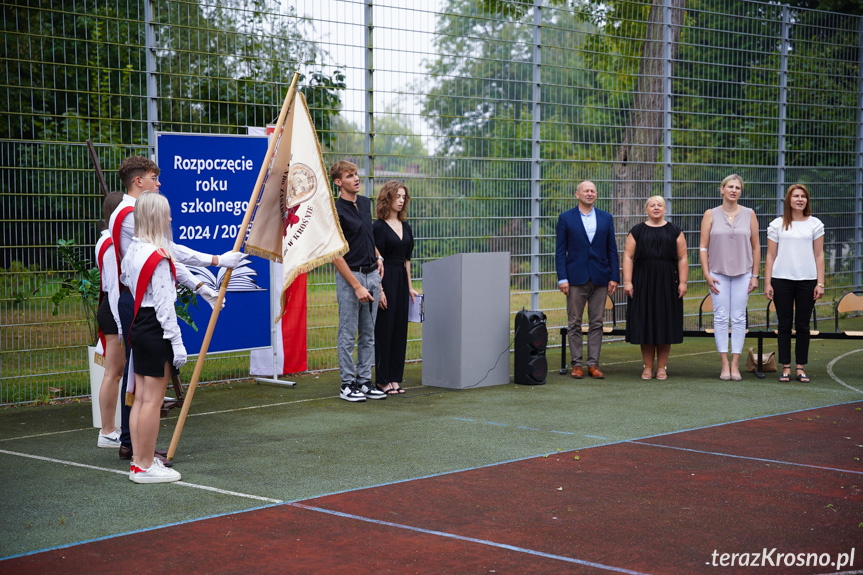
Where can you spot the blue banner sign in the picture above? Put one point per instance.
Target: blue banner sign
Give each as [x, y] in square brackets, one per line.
[208, 180]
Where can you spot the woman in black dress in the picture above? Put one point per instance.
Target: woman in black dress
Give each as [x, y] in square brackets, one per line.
[395, 242]
[655, 270]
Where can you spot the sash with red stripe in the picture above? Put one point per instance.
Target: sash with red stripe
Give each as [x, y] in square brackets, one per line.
[100, 260]
[146, 275]
[115, 236]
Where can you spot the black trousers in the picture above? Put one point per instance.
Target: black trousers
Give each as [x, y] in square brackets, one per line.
[794, 300]
[126, 309]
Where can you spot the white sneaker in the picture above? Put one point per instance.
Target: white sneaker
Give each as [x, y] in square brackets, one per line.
[372, 392]
[157, 473]
[349, 393]
[110, 441]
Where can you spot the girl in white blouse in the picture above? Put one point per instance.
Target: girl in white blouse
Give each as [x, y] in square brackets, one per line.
[794, 275]
[110, 331]
[155, 337]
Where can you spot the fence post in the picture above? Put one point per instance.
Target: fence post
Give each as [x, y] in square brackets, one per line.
[667, 69]
[536, 156]
[152, 86]
[858, 202]
[369, 146]
[783, 111]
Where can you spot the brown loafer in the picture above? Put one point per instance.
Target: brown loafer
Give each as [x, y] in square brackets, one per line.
[577, 372]
[165, 461]
[595, 373]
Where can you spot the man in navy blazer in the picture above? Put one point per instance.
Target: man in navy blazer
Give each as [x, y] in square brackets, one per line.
[587, 270]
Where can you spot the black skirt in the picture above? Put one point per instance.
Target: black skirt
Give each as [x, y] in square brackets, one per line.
[150, 350]
[104, 317]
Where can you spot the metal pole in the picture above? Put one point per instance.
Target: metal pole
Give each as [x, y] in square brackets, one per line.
[152, 86]
[783, 111]
[536, 156]
[858, 204]
[275, 303]
[370, 102]
[667, 173]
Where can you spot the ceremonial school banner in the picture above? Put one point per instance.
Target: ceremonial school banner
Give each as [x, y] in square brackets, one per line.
[289, 333]
[207, 179]
[296, 221]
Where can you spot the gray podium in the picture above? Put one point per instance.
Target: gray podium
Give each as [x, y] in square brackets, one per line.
[466, 325]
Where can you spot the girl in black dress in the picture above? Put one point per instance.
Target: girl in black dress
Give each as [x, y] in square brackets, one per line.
[395, 242]
[655, 270]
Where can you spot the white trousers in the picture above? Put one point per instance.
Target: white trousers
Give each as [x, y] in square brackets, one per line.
[730, 304]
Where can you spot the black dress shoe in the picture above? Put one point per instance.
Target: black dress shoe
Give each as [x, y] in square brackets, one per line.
[160, 454]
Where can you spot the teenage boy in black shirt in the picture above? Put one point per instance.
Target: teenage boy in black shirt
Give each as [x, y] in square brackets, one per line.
[358, 284]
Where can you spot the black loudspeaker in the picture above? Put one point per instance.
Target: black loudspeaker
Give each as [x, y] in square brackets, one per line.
[531, 339]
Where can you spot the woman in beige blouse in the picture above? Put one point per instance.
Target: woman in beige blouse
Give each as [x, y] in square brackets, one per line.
[730, 255]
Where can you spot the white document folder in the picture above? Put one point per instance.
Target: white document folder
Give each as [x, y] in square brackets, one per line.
[415, 309]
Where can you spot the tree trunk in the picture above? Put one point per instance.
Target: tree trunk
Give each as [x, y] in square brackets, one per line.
[635, 170]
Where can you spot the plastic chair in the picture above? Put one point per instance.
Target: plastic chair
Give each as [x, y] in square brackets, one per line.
[848, 303]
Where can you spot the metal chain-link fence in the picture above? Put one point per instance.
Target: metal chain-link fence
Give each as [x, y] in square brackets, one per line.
[491, 112]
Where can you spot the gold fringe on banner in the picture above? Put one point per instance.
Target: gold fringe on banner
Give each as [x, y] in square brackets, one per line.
[262, 253]
[306, 268]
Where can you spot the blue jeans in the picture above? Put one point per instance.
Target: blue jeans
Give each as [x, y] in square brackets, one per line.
[357, 327]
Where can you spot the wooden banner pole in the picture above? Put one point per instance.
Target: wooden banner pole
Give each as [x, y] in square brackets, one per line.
[241, 237]
[95, 159]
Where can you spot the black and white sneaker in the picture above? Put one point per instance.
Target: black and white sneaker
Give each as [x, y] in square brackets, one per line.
[372, 392]
[349, 393]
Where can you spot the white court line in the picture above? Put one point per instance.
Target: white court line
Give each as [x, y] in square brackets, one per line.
[169, 418]
[126, 473]
[670, 358]
[45, 434]
[833, 375]
[464, 538]
[721, 454]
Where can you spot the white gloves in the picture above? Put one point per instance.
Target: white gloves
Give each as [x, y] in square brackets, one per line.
[179, 354]
[231, 259]
[209, 295]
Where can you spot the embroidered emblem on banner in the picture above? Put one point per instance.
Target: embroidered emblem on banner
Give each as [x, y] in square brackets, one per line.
[298, 185]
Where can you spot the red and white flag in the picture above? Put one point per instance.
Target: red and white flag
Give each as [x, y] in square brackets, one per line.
[290, 336]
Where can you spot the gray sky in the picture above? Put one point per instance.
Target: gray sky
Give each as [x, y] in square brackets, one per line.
[403, 39]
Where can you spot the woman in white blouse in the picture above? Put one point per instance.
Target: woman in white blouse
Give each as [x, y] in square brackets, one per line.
[154, 336]
[794, 275]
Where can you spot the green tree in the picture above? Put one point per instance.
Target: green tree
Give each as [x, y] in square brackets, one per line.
[80, 72]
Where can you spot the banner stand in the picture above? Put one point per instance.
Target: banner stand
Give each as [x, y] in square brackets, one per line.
[275, 304]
